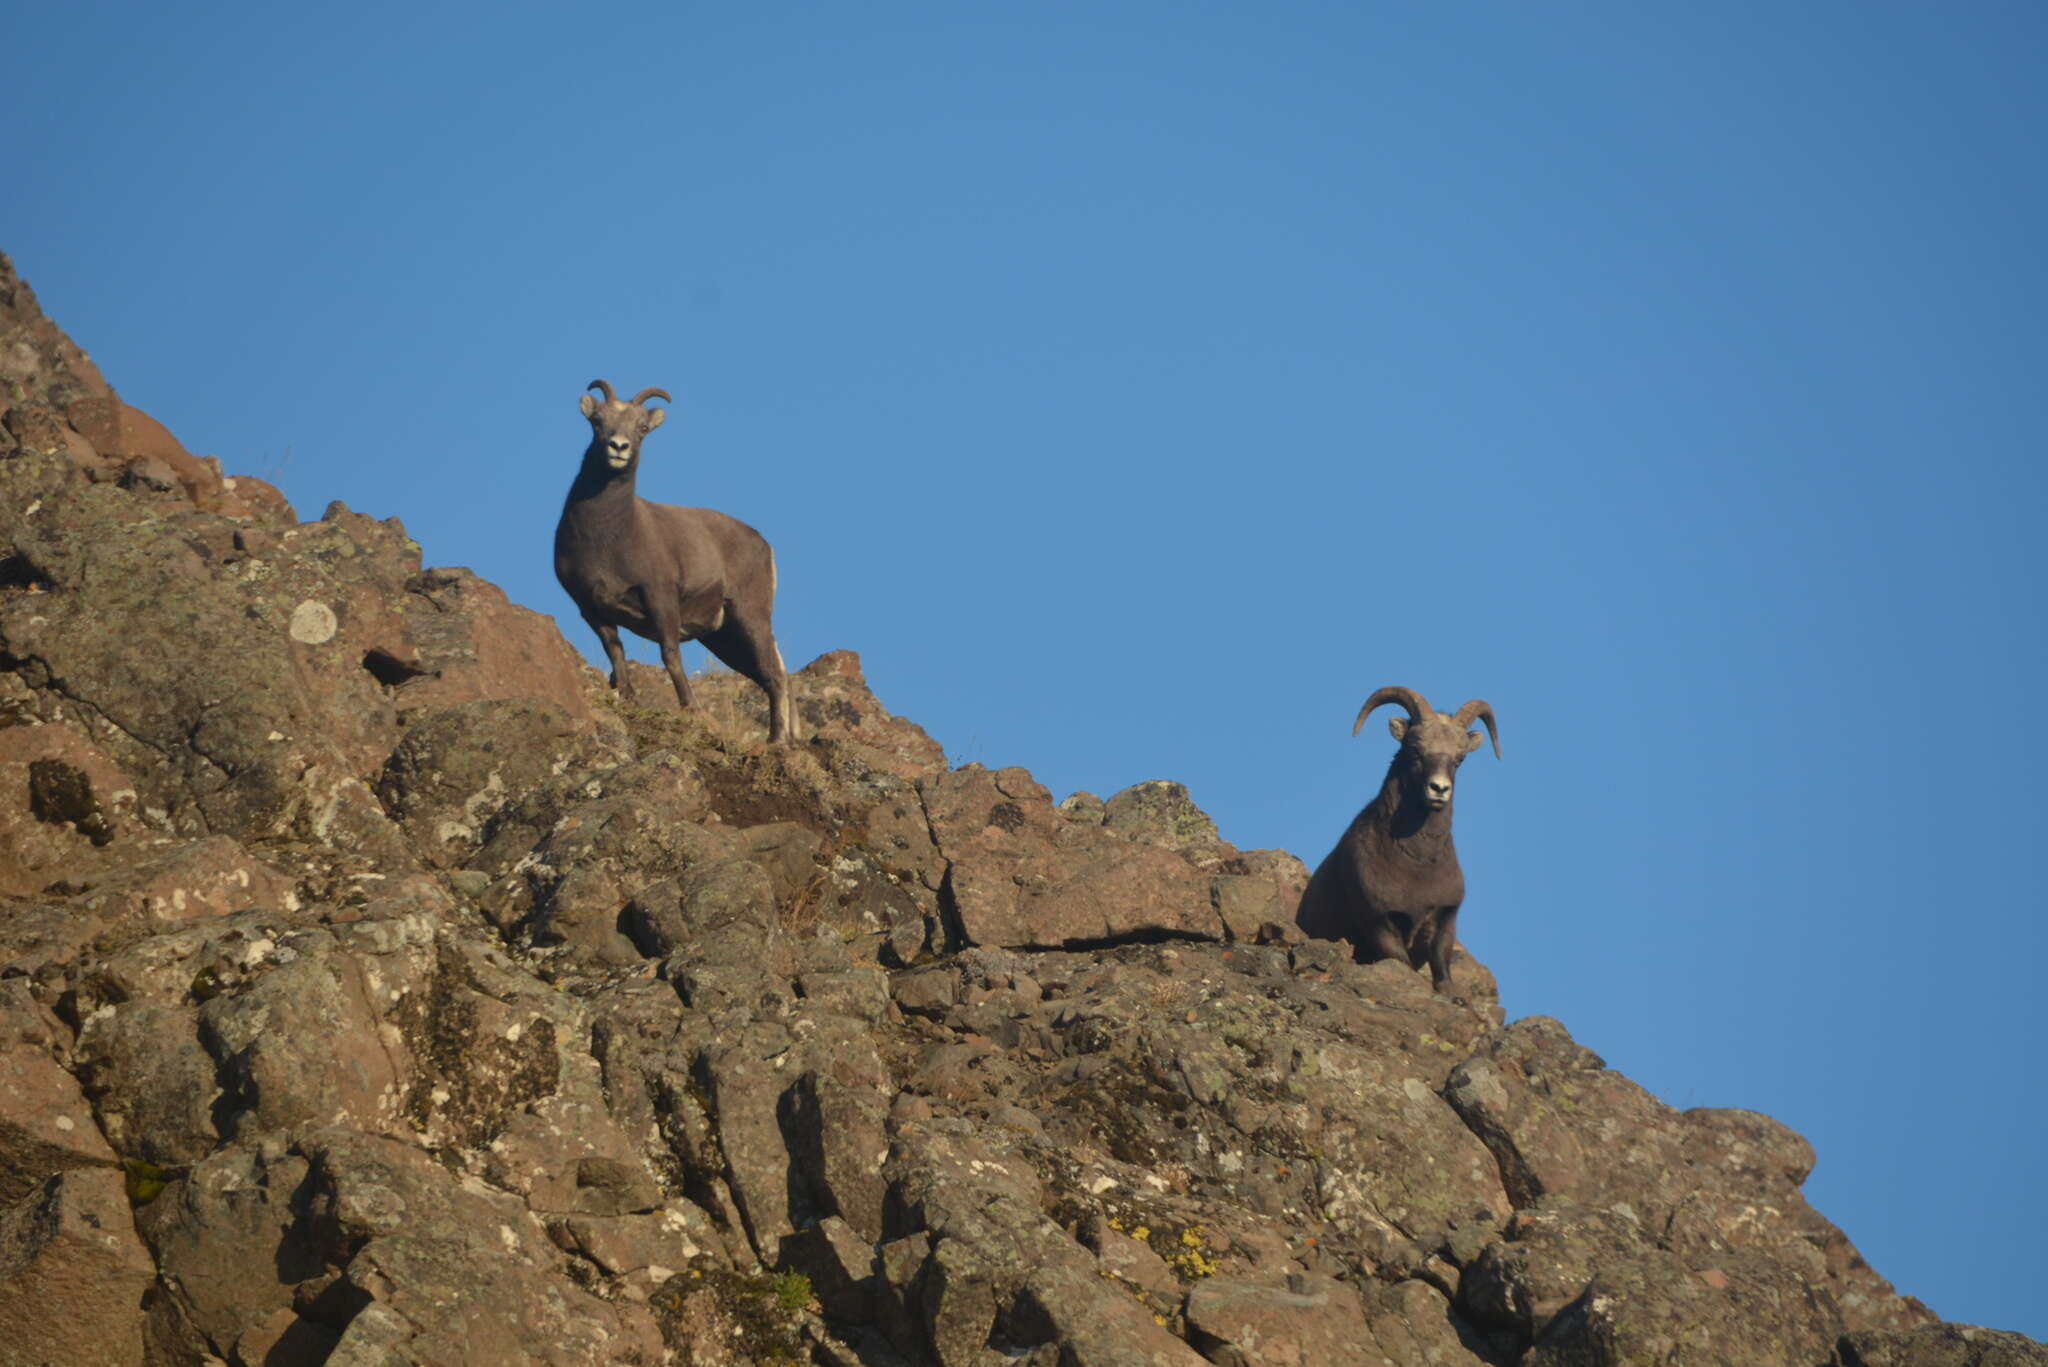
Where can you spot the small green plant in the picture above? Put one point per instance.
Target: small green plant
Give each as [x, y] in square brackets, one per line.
[792, 1291]
[145, 1181]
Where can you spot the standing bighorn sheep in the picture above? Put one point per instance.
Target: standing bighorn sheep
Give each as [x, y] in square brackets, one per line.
[666, 573]
[1392, 886]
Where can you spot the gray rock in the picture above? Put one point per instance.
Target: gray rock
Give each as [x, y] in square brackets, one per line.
[1940, 1345]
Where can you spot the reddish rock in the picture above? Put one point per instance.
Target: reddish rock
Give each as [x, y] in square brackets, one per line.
[46, 1126]
[186, 882]
[1020, 874]
[72, 1274]
[1306, 1322]
[64, 803]
[472, 642]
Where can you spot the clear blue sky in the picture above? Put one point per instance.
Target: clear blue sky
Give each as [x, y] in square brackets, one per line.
[1137, 386]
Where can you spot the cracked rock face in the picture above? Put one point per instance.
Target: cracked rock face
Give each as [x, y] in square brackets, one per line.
[375, 988]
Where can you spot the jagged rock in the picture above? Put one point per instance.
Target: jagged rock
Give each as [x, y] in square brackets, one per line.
[458, 767]
[1020, 875]
[174, 882]
[1562, 1124]
[1548, 1253]
[67, 801]
[1160, 812]
[46, 1126]
[417, 1002]
[38, 363]
[1654, 1308]
[151, 1081]
[232, 1249]
[1410, 1323]
[1306, 1322]
[469, 642]
[1941, 1345]
[72, 1274]
[834, 704]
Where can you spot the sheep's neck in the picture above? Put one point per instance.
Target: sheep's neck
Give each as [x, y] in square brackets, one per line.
[600, 493]
[1414, 829]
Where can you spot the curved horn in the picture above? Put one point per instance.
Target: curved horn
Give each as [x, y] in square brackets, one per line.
[644, 395]
[1481, 710]
[1416, 705]
[606, 386]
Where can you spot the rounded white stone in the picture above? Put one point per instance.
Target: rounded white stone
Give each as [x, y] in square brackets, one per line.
[314, 623]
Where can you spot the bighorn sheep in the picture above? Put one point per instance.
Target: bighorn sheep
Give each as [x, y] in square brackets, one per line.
[666, 573]
[1392, 886]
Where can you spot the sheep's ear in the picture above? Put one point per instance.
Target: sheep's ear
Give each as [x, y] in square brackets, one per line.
[588, 404]
[654, 417]
[1473, 740]
[1398, 726]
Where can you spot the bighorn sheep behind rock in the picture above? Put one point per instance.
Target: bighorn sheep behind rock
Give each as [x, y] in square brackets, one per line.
[666, 573]
[1392, 886]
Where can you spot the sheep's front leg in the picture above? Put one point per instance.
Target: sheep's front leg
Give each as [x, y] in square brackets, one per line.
[616, 653]
[1382, 940]
[1442, 937]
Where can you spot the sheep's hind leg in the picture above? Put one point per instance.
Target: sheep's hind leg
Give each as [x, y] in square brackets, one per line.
[672, 661]
[754, 655]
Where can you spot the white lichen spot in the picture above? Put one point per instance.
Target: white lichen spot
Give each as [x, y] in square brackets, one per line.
[314, 623]
[508, 1238]
[66, 1124]
[1101, 1184]
[275, 735]
[512, 1031]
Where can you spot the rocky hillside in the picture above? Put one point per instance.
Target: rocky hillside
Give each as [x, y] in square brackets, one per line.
[375, 990]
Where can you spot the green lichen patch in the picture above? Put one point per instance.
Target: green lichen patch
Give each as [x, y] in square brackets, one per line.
[713, 1314]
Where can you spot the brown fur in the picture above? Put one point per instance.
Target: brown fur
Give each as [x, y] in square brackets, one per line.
[1392, 886]
[666, 573]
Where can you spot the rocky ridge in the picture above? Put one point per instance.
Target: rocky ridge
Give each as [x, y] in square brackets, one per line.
[375, 989]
